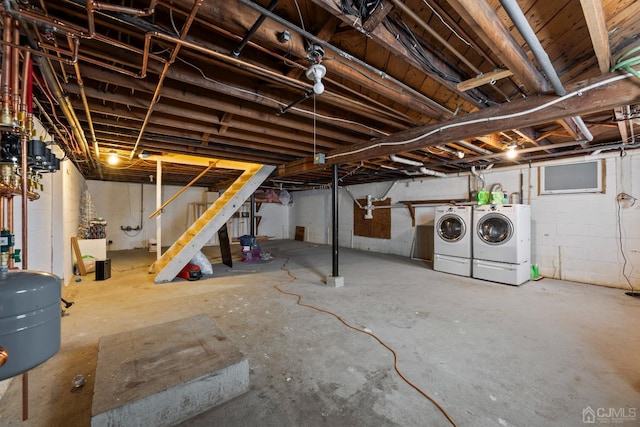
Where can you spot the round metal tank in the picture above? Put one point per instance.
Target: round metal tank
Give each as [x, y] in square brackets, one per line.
[30, 316]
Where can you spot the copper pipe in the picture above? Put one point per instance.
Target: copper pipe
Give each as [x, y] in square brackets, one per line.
[174, 54]
[92, 6]
[26, 74]
[73, 30]
[6, 66]
[4, 355]
[15, 72]
[39, 52]
[2, 208]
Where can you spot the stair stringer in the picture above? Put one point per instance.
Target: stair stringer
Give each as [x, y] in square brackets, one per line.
[204, 228]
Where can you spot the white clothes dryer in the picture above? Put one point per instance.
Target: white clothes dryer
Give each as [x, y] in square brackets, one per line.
[502, 243]
[453, 239]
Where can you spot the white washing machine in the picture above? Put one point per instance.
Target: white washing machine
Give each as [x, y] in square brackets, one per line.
[453, 239]
[502, 243]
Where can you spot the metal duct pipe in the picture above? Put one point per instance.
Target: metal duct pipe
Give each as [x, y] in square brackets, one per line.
[520, 21]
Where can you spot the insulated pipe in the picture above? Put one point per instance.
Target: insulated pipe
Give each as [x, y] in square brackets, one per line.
[431, 172]
[520, 21]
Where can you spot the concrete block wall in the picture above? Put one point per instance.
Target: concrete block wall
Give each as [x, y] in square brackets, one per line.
[119, 204]
[574, 236]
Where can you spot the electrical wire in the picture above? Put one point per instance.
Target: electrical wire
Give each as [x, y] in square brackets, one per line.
[446, 24]
[547, 104]
[624, 257]
[299, 302]
[300, 110]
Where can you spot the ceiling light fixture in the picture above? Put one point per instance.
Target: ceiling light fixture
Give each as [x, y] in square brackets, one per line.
[113, 159]
[511, 151]
[316, 72]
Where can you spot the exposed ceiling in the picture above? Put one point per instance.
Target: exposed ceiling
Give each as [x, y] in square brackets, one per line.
[413, 88]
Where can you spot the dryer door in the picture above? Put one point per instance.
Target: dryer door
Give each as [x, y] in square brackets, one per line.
[451, 228]
[495, 229]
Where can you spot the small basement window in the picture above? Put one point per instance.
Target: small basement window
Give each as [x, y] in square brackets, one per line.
[585, 177]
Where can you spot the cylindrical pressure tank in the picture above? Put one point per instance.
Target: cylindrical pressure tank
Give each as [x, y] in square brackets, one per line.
[30, 316]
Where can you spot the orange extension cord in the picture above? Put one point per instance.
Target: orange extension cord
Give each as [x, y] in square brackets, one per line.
[385, 345]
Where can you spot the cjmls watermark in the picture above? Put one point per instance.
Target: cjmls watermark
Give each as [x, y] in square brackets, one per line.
[608, 415]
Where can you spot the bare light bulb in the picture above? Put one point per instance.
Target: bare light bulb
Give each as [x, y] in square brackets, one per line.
[316, 72]
[511, 152]
[113, 159]
[318, 87]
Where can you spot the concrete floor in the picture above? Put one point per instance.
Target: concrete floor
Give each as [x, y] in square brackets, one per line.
[490, 354]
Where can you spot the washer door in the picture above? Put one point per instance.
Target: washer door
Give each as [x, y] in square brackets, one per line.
[451, 228]
[495, 229]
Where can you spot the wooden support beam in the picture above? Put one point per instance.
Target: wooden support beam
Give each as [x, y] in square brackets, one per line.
[622, 124]
[205, 138]
[596, 22]
[586, 97]
[494, 33]
[78, 254]
[224, 122]
[380, 12]
[490, 78]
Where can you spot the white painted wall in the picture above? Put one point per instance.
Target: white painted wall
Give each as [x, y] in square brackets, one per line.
[574, 236]
[119, 204]
[73, 184]
[275, 221]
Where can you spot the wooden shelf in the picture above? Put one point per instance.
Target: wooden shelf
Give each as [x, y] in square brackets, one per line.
[411, 204]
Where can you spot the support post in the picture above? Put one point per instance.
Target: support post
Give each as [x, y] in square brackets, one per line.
[252, 213]
[334, 280]
[159, 216]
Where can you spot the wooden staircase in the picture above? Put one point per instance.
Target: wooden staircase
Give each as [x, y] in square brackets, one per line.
[203, 229]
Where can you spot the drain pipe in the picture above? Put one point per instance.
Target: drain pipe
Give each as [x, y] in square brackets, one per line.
[252, 31]
[423, 169]
[520, 21]
[474, 148]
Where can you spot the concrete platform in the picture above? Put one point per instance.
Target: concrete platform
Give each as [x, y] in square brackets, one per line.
[164, 374]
